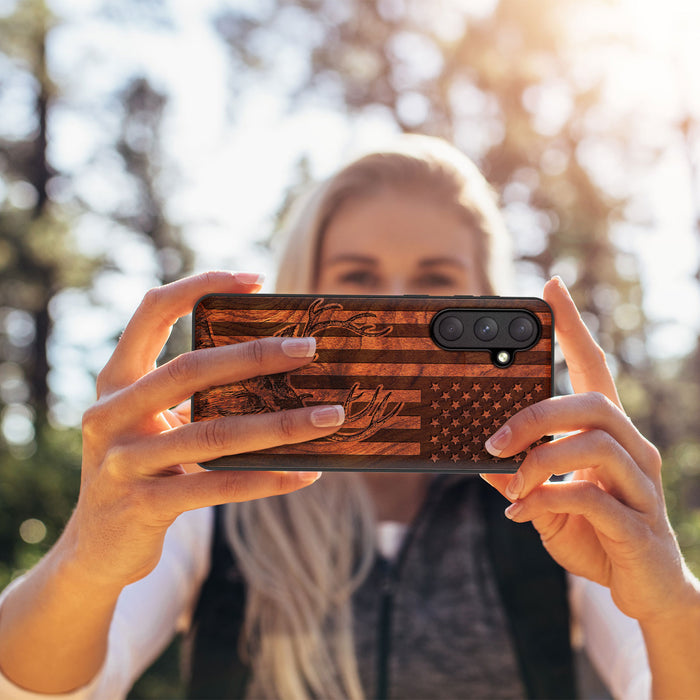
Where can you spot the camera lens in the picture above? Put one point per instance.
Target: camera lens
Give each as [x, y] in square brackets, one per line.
[521, 328]
[485, 328]
[451, 328]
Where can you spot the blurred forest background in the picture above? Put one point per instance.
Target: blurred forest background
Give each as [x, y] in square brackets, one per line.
[574, 114]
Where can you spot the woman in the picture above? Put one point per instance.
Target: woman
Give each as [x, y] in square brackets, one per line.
[416, 220]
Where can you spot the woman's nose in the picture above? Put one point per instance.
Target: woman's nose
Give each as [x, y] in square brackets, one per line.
[397, 287]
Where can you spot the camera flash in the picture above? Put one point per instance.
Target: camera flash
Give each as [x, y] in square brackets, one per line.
[503, 357]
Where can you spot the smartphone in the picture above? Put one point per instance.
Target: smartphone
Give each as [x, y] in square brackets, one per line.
[424, 380]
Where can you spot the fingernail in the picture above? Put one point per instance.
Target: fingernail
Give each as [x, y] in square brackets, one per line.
[299, 347]
[560, 282]
[250, 277]
[327, 416]
[515, 486]
[309, 477]
[498, 441]
[513, 509]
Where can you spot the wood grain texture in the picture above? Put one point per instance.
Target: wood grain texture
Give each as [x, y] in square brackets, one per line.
[410, 405]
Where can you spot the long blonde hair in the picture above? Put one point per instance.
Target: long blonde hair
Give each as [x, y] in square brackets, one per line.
[303, 554]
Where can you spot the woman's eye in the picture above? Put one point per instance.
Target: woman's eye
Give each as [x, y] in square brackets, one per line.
[435, 281]
[361, 278]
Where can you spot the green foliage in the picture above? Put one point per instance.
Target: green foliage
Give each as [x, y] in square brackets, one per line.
[40, 259]
[682, 486]
[41, 482]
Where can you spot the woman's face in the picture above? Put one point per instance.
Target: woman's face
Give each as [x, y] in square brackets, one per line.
[398, 243]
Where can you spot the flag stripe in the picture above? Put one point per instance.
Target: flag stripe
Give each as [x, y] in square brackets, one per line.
[290, 303]
[243, 330]
[338, 395]
[272, 319]
[387, 372]
[363, 447]
[304, 380]
[399, 422]
[352, 343]
[419, 357]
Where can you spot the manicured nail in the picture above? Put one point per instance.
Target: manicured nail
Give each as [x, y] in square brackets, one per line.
[309, 477]
[560, 282]
[250, 277]
[299, 347]
[513, 509]
[327, 416]
[515, 486]
[498, 441]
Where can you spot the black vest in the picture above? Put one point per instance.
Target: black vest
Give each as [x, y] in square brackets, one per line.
[538, 612]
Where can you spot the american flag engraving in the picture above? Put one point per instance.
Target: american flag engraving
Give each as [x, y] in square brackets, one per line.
[409, 404]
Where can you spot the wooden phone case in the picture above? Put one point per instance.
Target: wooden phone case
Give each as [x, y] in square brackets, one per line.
[410, 405]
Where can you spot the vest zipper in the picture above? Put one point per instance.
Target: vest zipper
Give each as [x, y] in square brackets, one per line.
[386, 605]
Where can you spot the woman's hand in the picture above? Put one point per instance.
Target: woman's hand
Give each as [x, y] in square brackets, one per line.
[140, 458]
[139, 473]
[608, 524]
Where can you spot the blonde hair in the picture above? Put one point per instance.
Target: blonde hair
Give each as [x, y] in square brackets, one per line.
[303, 554]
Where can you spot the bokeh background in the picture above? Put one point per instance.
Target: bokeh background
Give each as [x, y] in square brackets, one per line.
[141, 140]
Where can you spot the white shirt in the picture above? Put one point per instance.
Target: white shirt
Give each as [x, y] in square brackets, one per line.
[152, 610]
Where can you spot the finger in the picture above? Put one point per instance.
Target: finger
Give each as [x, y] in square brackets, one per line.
[199, 370]
[149, 327]
[594, 450]
[211, 439]
[183, 492]
[564, 414]
[585, 359]
[182, 413]
[606, 514]
[498, 481]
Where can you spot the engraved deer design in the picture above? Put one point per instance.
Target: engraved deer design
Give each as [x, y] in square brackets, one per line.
[275, 392]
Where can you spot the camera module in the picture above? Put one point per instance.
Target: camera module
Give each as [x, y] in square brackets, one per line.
[501, 331]
[485, 329]
[451, 328]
